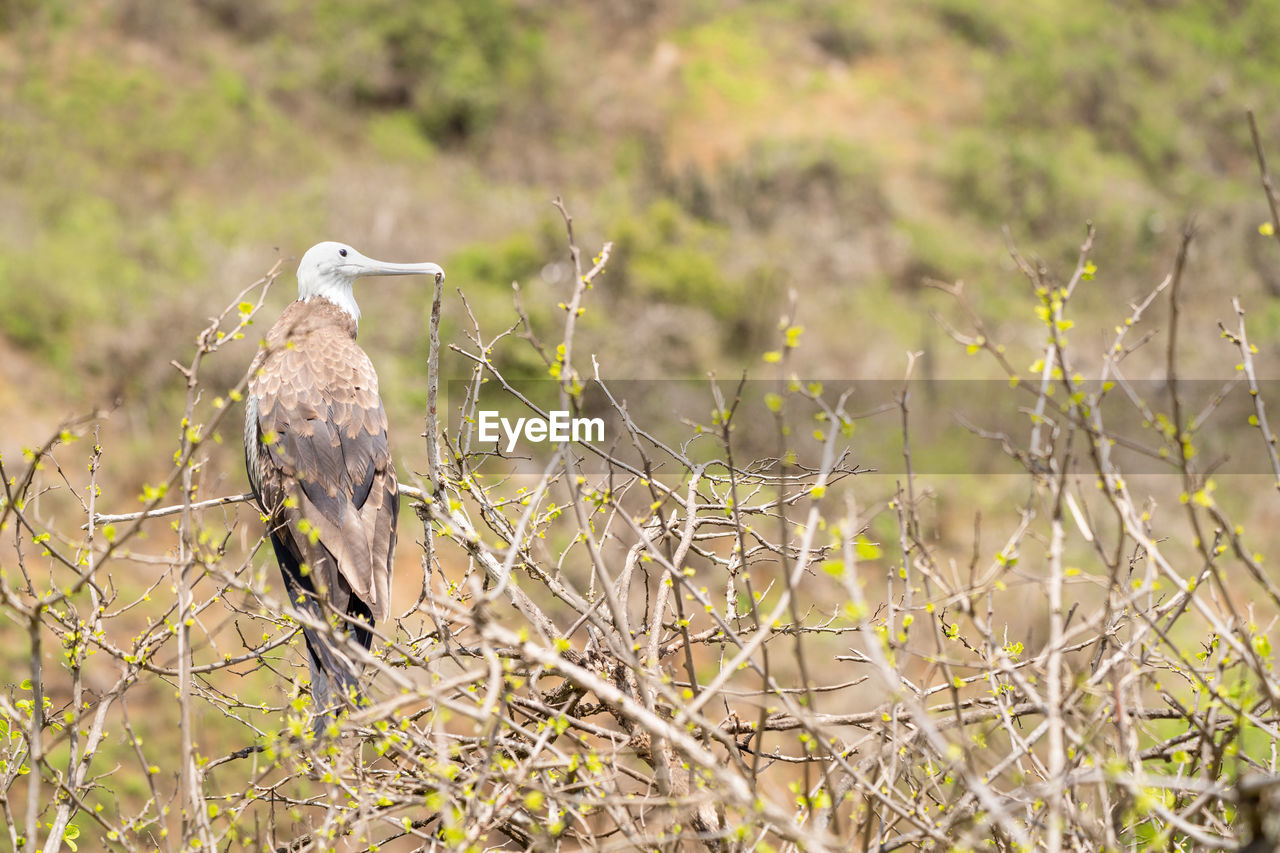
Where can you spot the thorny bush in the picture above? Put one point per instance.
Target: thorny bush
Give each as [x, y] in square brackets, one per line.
[662, 651]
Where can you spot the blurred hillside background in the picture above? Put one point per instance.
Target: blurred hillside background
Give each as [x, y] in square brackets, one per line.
[155, 158]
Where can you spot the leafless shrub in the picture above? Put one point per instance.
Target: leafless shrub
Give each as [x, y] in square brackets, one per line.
[665, 649]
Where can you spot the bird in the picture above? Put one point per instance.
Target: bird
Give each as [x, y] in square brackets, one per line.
[319, 465]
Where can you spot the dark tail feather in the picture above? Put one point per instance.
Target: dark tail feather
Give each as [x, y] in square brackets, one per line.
[335, 680]
[334, 683]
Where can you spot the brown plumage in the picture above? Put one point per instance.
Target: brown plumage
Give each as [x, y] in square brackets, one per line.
[320, 466]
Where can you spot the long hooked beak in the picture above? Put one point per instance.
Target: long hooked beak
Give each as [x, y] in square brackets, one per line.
[358, 265]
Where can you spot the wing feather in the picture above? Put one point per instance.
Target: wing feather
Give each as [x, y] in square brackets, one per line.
[319, 399]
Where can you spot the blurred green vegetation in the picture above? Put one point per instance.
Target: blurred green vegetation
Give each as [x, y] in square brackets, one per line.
[155, 161]
[455, 65]
[157, 158]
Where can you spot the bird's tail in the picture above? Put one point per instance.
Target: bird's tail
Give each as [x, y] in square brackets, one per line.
[335, 677]
[335, 680]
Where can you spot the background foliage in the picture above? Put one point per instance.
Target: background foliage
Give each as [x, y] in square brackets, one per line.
[157, 158]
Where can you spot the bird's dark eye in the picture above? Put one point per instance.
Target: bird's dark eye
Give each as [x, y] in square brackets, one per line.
[342, 252]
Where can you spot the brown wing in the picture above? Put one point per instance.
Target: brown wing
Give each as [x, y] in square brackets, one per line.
[324, 465]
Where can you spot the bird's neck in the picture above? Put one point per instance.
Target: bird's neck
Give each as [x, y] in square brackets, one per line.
[334, 289]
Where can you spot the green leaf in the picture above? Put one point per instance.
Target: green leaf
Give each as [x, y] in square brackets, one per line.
[867, 550]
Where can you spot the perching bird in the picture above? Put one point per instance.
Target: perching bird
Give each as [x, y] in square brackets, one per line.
[315, 445]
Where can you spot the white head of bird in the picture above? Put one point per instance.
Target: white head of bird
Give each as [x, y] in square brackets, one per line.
[329, 269]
